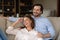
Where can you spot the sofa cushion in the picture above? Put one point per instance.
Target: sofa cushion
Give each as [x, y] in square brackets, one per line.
[58, 38]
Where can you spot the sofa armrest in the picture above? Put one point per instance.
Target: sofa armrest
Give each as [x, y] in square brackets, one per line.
[58, 38]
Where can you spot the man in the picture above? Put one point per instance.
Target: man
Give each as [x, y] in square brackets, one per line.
[42, 24]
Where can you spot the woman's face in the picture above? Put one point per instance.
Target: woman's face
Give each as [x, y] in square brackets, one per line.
[27, 22]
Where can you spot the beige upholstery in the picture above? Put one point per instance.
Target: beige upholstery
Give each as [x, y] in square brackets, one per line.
[56, 23]
[5, 23]
[58, 36]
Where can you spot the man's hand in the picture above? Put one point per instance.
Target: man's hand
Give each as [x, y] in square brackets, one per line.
[40, 35]
[44, 35]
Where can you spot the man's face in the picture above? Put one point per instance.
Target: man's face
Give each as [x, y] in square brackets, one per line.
[36, 11]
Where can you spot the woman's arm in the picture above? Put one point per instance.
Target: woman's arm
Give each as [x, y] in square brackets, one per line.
[15, 23]
[11, 30]
[18, 21]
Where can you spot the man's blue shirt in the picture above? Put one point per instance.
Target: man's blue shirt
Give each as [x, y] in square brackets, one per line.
[44, 26]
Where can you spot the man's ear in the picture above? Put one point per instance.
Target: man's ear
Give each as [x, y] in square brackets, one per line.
[41, 12]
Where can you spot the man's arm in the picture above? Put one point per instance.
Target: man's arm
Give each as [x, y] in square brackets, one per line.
[44, 35]
[50, 29]
[13, 19]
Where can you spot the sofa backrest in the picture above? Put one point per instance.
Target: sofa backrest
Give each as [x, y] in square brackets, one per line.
[56, 23]
[5, 23]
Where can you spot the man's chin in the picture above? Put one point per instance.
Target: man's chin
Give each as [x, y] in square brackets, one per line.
[36, 15]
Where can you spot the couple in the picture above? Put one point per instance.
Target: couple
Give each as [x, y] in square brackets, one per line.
[42, 25]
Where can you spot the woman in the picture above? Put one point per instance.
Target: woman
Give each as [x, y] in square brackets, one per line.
[27, 33]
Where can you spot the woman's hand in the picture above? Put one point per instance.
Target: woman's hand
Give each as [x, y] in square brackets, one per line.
[18, 21]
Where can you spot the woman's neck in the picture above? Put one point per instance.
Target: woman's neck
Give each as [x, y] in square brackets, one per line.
[29, 28]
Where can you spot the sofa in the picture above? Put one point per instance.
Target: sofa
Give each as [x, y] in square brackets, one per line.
[4, 23]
